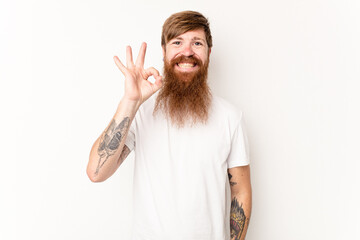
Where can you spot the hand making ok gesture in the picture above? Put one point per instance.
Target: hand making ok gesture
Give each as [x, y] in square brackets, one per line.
[137, 87]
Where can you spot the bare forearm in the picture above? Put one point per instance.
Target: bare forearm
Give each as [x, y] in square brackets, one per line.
[108, 150]
[241, 200]
[240, 215]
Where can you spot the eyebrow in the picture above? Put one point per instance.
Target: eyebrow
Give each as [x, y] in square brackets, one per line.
[197, 38]
[194, 38]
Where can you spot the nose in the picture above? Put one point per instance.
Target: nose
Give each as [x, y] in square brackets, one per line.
[187, 50]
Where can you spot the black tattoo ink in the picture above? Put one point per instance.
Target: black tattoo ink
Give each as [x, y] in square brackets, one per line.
[231, 183]
[110, 140]
[125, 152]
[237, 220]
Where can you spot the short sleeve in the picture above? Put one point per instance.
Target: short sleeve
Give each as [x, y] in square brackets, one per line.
[239, 152]
[130, 139]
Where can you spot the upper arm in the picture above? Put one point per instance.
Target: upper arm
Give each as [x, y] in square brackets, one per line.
[239, 178]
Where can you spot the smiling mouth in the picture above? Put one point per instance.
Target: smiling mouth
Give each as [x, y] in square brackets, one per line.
[186, 65]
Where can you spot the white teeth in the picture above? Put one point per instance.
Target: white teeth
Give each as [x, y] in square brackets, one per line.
[186, 65]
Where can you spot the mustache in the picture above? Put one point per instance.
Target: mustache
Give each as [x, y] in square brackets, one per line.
[186, 59]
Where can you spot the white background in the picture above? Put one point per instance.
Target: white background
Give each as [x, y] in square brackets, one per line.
[291, 66]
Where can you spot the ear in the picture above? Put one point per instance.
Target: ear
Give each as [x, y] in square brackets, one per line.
[209, 52]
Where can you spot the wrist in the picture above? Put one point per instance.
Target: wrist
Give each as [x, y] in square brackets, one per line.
[129, 104]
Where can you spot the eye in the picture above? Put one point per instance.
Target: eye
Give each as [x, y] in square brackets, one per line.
[198, 43]
[176, 43]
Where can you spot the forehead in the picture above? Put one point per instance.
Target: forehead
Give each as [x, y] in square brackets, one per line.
[198, 34]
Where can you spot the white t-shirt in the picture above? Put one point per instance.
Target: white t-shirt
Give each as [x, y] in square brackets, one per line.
[181, 185]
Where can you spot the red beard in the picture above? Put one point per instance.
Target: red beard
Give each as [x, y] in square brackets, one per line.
[185, 97]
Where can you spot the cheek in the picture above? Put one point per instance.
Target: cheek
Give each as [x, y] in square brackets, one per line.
[170, 55]
[203, 57]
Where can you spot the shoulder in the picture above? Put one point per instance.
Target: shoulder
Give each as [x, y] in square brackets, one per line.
[227, 109]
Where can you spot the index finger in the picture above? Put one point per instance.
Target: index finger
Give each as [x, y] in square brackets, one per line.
[119, 64]
[141, 57]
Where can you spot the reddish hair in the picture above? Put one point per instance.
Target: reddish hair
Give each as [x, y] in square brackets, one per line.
[183, 22]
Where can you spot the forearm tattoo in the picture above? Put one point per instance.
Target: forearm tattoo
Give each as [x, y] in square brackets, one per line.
[125, 152]
[110, 140]
[231, 183]
[237, 220]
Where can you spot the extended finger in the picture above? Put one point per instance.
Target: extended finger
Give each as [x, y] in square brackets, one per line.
[141, 57]
[119, 64]
[129, 58]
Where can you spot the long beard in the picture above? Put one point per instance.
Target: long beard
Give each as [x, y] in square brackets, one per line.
[185, 97]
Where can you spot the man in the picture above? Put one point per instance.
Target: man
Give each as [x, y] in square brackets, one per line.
[192, 175]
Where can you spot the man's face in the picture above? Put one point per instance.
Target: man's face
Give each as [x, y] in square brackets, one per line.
[185, 51]
[185, 96]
